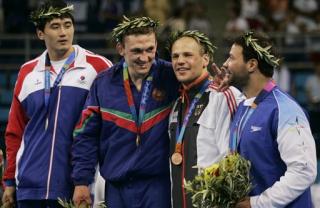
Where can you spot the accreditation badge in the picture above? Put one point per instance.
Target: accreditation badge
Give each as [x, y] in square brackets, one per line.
[198, 109]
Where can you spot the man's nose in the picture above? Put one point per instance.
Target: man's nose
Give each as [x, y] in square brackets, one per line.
[144, 56]
[225, 64]
[62, 31]
[180, 60]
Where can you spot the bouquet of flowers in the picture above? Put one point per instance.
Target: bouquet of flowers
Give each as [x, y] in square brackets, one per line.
[221, 185]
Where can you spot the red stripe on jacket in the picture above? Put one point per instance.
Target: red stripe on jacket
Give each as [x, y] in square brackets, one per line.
[16, 123]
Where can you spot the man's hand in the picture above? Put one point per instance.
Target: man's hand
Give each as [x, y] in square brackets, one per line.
[222, 77]
[245, 203]
[8, 198]
[81, 196]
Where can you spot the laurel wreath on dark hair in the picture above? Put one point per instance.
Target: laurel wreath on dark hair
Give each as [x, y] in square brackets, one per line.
[198, 36]
[128, 24]
[263, 52]
[44, 13]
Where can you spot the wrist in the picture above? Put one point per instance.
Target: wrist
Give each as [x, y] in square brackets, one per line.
[9, 183]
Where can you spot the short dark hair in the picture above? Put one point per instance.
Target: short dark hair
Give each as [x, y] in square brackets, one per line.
[250, 51]
[49, 10]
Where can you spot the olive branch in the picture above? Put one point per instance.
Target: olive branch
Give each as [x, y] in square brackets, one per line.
[127, 24]
[43, 13]
[263, 52]
[201, 38]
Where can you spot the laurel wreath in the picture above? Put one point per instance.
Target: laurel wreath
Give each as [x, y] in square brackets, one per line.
[128, 24]
[44, 13]
[198, 36]
[263, 52]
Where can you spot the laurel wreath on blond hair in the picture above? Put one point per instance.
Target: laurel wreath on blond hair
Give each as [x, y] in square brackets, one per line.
[263, 52]
[200, 37]
[44, 13]
[128, 24]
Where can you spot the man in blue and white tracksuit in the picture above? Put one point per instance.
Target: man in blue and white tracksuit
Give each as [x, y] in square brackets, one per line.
[48, 98]
[270, 130]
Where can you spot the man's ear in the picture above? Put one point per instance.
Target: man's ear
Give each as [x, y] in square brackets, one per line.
[40, 34]
[252, 65]
[206, 60]
[120, 48]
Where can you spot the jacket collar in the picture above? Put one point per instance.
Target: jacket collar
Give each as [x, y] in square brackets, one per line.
[79, 62]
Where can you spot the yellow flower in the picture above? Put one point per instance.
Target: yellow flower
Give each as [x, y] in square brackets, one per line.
[222, 184]
[212, 170]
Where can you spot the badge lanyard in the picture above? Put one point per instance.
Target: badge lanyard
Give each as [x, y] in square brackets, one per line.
[145, 95]
[64, 68]
[177, 157]
[236, 132]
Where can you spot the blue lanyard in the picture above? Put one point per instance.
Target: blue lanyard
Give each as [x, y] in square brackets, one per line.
[145, 95]
[64, 68]
[179, 134]
[236, 135]
[236, 132]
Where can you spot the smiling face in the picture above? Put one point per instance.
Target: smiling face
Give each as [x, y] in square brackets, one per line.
[188, 59]
[58, 37]
[139, 51]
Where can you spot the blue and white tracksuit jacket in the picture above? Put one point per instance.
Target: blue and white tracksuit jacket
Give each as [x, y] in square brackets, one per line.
[277, 140]
[39, 158]
[107, 134]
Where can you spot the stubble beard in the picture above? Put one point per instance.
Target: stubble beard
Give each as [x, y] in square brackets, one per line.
[240, 81]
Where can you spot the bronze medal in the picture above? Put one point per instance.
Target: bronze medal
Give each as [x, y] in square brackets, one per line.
[176, 158]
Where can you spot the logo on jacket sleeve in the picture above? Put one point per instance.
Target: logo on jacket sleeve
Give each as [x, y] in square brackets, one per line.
[296, 125]
[82, 80]
[37, 82]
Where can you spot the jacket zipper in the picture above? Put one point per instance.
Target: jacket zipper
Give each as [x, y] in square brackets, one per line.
[53, 142]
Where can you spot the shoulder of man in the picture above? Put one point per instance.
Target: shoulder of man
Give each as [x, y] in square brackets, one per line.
[231, 97]
[111, 72]
[25, 69]
[165, 78]
[98, 62]
[163, 63]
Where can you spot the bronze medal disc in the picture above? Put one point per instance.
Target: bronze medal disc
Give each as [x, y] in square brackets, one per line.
[176, 158]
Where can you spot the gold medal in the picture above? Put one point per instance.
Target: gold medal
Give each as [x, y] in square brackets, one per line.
[176, 158]
[138, 140]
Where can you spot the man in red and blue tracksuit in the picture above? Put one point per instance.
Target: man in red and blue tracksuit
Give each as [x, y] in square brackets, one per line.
[48, 98]
[124, 125]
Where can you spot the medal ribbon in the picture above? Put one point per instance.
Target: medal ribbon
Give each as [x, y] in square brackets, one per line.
[180, 133]
[64, 68]
[145, 95]
[237, 130]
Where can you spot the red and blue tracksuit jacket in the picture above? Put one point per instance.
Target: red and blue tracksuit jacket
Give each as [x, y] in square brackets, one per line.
[38, 158]
[106, 132]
